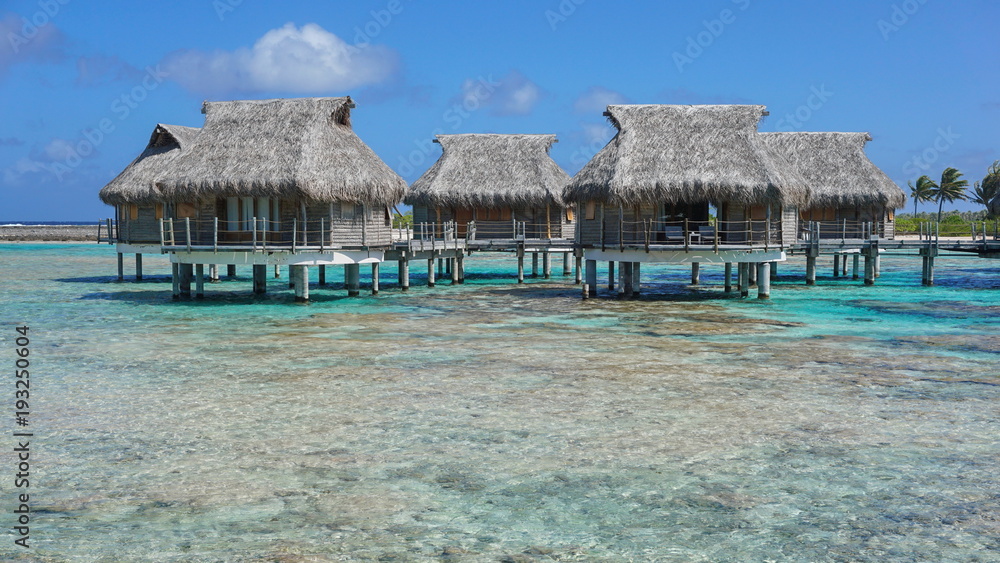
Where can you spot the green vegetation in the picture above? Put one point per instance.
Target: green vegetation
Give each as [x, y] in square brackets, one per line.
[402, 221]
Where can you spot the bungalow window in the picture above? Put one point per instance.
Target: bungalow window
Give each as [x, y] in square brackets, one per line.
[591, 211]
[240, 213]
[133, 212]
[569, 214]
[347, 211]
[185, 211]
[158, 210]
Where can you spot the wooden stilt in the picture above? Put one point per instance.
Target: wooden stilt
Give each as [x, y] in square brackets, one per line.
[857, 266]
[187, 270]
[260, 279]
[586, 291]
[277, 271]
[547, 264]
[213, 273]
[752, 275]
[836, 265]
[534, 264]
[764, 280]
[322, 275]
[566, 267]
[592, 277]
[138, 266]
[810, 270]
[121, 267]
[199, 281]
[636, 277]
[175, 277]
[431, 280]
[375, 280]
[869, 269]
[461, 269]
[230, 270]
[404, 274]
[843, 264]
[774, 269]
[611, 276]
[302, 283]
[453, 268]
[695, 273]
[579, 269]
[354, 279]
[744, 279]
[520, 264]
[729, 277]
[626, 284]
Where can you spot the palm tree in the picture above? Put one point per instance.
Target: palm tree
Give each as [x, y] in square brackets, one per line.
[989, 189]
[952, 187]
[920, 192]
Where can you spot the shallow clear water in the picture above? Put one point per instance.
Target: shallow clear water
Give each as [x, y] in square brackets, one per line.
[492, 420]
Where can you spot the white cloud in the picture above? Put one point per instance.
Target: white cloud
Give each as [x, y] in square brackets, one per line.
[597, 133]
[22, 167]
[597, 99]
[23, 42]
[514, 94]
[306, 60]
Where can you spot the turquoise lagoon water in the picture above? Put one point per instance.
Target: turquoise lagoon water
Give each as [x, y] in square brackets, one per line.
[493, 421]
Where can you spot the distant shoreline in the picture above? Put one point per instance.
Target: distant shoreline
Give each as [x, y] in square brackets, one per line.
[48, 233]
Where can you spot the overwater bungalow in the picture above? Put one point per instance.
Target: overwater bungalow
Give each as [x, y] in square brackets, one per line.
[647, 196]
[278, 182]
[493, 187]
[138, 205]
[849, 197]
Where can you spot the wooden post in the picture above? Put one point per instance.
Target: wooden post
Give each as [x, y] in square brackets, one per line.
[586, 292]
[322, 275]
[636, 277]
[277, 271]
[375, 273]
[353, 276]
[611, 276]
[121, 266]
[591, 284]
[260, 279]
[751, 275]
[744, 279]
[453, 266]
[836, 264]
[404, 273]
[579, 269]
[230, 270]
[199, 281]
[695, 273]
[460, 266]
[520, 263]
[843, 264]
[138, 266]
[186, 273]
[213, 273]
[430, 272]
[764, 280]
[566, 268]
[930, 270]
[534, 264]
[869, 268]
[857, 264]
[302, 284]
[547, 264]
[729, 277]
[626, 282]
[175, 277]
[810, 269]
[774, 268]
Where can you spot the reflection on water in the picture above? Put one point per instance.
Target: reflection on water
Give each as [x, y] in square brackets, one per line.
[494, 422]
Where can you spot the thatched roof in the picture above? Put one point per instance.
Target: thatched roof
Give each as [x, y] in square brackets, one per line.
[135, 184]
[837, 170]
[491, 171]
[288, 148]
[686, 154]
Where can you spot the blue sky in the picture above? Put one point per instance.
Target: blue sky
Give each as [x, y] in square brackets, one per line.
[84, 83]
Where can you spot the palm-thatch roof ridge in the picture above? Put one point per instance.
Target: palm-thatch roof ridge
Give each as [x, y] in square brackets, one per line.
[135, 184]
[300, 148]
[686, 154]
[490, 171]
[837, 170]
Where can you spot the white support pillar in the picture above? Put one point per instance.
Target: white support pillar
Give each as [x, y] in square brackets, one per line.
[353, 277]
[592, 277]
[375, 280]
[764, 280]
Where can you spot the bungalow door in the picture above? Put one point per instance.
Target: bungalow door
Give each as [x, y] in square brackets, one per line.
[462, 218]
